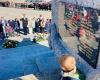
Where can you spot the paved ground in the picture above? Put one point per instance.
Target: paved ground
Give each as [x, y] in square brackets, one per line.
[17, 13]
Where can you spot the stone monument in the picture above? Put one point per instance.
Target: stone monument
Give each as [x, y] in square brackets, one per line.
[69, 26]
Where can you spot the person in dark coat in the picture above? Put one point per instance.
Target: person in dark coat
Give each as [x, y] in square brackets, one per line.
[41, 22]
[11, 23]
[3, 23]
[17, 26]
[37, 25]
[24, 24]
[1, 31]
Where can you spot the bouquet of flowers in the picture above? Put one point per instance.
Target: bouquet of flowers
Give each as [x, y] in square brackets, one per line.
[38, 37]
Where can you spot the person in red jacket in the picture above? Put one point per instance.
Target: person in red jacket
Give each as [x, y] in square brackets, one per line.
[81, 31]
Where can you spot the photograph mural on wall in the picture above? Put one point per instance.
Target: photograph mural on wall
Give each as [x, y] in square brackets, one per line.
[83, 23]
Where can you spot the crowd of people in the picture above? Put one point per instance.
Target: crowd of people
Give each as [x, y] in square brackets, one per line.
[13, 27]
[40, 6]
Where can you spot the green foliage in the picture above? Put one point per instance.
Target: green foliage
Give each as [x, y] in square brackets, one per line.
[78, 75]
[10, 44]
[81, 75]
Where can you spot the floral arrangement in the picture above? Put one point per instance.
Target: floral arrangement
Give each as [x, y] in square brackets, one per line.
[79, 75]
[39, 37]
[10, 44]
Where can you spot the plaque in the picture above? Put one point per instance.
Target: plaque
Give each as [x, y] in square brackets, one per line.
[83, 24]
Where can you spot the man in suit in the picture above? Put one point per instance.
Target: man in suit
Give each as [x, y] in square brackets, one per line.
[1, 31]
[3, 23]
[24, 24]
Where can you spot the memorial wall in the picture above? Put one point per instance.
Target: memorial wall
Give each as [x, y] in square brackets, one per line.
[83, 24]
[78, 30]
